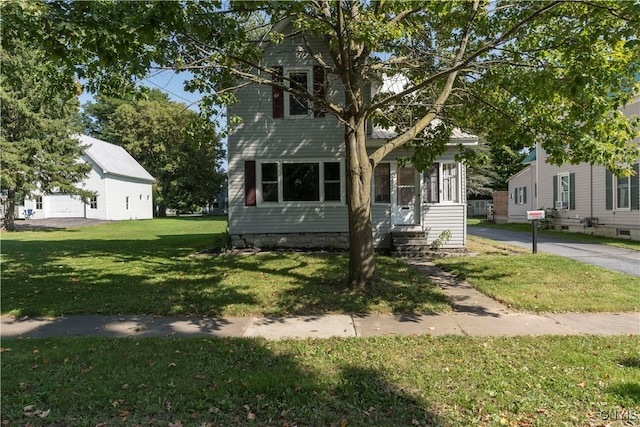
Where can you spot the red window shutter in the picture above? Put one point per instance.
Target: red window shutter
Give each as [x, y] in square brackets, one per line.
[250, 183]
[319, 84]
[278, 94]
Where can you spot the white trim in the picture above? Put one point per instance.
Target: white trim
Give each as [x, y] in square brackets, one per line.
[287, 96]
[615, 194]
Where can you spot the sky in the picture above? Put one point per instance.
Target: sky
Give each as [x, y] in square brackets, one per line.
[167, 81]
[173, 85]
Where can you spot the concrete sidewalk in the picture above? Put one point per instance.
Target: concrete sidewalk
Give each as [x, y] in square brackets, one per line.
[474, 314]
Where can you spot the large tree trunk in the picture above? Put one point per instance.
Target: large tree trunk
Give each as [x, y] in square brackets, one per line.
[9, 211]
[362, 263]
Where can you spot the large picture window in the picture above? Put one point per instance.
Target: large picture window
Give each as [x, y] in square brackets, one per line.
[300, 182]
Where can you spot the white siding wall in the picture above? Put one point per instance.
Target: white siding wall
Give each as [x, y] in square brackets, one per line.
[443, 217]
[590, 200]
[96, 182]
[525, 178]
[117, 189]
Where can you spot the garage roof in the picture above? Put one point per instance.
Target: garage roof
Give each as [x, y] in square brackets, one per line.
[113, 159]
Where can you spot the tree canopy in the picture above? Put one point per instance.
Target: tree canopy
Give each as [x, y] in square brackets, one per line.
[176, 145]
[519, 73]
[39, 117]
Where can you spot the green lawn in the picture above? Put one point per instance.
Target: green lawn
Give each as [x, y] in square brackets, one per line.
[151, 267]
[542, 282]
[390, 381]
[144, 267]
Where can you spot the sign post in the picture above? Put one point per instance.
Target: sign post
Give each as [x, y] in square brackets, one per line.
[534, 216]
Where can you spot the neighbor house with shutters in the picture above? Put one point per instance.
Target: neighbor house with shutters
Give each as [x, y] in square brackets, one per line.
[286, 168]
[585, 198]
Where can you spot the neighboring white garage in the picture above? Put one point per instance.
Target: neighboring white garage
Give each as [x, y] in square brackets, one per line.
[123, 188]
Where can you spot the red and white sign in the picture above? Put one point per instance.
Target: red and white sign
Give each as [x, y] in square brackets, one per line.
[535, 215]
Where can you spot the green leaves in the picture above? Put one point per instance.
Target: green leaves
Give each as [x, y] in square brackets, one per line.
[179, 147]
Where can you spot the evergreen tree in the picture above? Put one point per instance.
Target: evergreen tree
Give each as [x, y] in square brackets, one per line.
[38, 118]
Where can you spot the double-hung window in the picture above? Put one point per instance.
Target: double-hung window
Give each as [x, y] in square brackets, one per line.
[563, 191]
[382, 183]
[442, 183]
[450, 182]
[39, 202]
[623, 193]
[93, 202]
[304, 181]
[301, 80]
[520, 195]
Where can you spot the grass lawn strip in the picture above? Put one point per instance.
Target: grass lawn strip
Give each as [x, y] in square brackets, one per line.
[391, 381]
[542, 282]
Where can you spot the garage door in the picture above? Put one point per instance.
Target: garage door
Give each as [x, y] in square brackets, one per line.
[64, 206]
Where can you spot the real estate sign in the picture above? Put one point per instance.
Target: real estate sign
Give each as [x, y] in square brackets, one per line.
[535, 215]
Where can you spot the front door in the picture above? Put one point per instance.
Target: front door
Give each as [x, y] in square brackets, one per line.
[405, 203]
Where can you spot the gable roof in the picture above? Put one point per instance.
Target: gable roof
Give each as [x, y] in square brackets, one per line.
[531, 157]
[113, 159]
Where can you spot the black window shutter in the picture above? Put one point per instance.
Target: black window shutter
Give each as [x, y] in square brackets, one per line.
[609, 190]
[250, 183]
[635, 188]
[572, 191]
[555, 191]
[278, 94]
[524, 195]
[319, 90]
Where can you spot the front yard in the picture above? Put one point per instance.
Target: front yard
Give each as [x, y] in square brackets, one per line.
[153, 266]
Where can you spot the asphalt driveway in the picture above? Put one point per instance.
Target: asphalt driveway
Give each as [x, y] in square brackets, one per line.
[617, 259]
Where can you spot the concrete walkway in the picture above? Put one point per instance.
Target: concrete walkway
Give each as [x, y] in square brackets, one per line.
[473, 314]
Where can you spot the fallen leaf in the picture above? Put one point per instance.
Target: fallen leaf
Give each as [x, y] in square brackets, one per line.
[177, 423]
[581, 384]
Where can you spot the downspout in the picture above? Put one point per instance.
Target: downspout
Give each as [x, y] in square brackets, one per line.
[590, 190]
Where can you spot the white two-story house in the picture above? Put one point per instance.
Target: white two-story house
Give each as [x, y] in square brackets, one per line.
[586, 198]
[286, 169]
